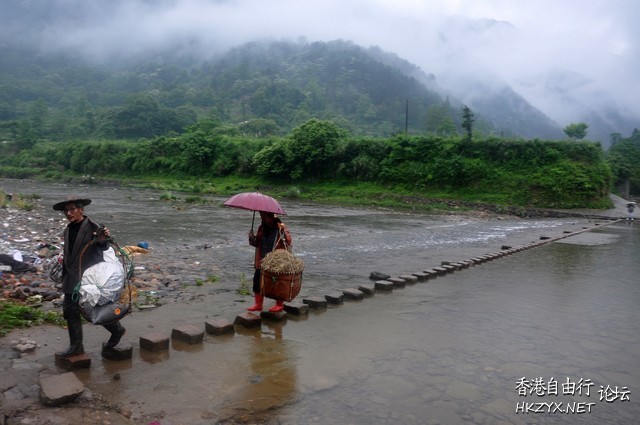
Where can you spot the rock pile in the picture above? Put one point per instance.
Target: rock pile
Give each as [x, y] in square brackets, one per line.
[39, 240]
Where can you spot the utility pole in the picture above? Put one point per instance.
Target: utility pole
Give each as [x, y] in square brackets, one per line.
[406, 118]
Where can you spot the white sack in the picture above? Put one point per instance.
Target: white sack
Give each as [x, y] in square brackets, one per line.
[106, 279]
[90, 293]
[110, 255]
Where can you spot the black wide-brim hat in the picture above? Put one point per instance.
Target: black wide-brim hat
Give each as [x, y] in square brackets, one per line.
[71, 199]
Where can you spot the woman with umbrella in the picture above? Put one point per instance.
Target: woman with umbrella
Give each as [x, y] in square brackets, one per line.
[272, 234]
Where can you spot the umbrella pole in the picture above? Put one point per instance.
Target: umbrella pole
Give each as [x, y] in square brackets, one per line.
[252, 220]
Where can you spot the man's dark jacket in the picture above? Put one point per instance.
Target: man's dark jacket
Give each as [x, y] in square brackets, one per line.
[72, 274]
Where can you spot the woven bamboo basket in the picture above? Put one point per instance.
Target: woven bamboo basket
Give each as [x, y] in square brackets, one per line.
[280, 286]
[281, 275]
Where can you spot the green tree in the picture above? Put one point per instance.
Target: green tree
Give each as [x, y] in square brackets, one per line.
[311, 148]
[197, 154]
[467, 121]
[447, 127]
[576, 130]
[439, 121]
[138, 117]
[624, 159]
[275, 99]
[614, 138]
[26, 137]
[38, 117]
[271, 161]
[259, 127]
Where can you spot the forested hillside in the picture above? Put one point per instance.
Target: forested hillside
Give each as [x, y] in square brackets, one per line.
[258, 89]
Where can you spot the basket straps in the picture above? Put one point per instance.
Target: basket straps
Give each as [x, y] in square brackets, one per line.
[282, 236]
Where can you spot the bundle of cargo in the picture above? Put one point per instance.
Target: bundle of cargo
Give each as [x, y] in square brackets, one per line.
[281, 275]
[102, 288]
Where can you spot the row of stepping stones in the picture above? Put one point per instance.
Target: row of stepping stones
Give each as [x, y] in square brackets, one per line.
[193, 334]
[62, 388]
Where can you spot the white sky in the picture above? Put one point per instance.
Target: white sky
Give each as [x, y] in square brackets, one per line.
[593, 44]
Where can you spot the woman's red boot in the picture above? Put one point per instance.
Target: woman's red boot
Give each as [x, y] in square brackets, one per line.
[259, 298]
[278, 307]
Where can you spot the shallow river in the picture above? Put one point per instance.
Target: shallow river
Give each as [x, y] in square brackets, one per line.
[548, 335]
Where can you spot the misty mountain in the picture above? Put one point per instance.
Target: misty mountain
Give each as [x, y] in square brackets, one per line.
[568, 96]
[508, 111]
[510, 72]
[367, 91]
[564, 92]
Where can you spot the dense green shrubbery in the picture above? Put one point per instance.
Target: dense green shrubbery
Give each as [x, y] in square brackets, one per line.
[533, 173]
[624, 157]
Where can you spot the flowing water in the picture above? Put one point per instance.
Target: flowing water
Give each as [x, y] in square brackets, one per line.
[485, 345]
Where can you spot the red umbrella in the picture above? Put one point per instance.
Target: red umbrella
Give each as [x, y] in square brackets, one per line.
[254, 201]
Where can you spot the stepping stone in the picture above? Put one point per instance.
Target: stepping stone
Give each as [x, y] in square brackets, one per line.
[334, 298]
[219, 326]
[440, 271]
[397, 282]
[409, 278]
[248, 320]
[278, 316]
[59, 389]
[353, 294]
[122, 351]
[154, 342]
[367, 289]
[80, 361]
[315, 302]
[297, 308]
[191, 334]
[449, 268]
[378, 276]
[421, 276]
[431, 274]
[384, 286]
